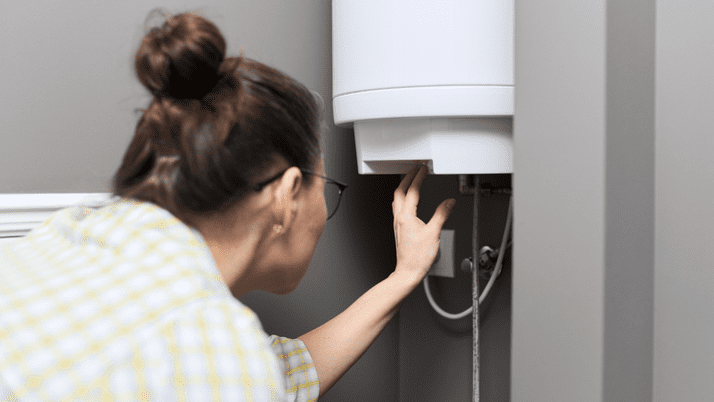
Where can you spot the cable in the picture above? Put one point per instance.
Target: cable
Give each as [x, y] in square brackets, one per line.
[496, 272]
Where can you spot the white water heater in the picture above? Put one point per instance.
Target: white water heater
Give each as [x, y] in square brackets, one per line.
[427, 81]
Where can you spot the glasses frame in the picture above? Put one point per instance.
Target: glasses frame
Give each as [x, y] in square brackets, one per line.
[340, 185]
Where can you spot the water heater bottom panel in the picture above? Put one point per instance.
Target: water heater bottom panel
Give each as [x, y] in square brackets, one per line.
[446, 145]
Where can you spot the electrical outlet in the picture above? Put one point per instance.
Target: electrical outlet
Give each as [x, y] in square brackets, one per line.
[444, 264]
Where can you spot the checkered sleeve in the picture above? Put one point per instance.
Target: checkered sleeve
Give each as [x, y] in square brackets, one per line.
[301, 382]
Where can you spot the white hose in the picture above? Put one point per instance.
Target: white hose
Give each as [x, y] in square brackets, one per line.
[496, 272]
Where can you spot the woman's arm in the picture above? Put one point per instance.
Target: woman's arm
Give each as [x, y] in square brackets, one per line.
[338, 344]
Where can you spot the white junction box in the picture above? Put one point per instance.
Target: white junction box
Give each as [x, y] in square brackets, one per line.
[444, 264]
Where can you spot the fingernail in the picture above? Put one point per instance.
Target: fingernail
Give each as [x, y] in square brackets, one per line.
[451, 203]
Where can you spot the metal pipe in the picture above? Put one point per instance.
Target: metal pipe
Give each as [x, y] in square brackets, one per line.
[475, 291]
[466, 186]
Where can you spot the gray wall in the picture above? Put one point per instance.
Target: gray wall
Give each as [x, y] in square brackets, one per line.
[613, 279]
[68, 92]
[684, 270]
[559, 188]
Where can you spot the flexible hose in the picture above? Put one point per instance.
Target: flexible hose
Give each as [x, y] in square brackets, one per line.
[496, 272]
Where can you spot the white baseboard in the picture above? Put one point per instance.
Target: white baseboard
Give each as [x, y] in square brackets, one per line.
[20, 213]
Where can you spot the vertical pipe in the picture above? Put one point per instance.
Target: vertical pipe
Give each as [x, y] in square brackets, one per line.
[474, 256]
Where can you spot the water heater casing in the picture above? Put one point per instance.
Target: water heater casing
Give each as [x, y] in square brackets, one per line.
[404, 66]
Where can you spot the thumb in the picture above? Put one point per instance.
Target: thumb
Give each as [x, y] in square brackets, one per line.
[442, 213]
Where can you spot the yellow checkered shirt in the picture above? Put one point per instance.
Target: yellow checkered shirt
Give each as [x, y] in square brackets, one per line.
[125, 303]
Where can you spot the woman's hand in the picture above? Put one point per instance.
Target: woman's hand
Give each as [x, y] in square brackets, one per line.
[417, 242]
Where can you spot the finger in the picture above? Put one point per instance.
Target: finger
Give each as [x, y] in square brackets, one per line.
[401, 190]
[441, 214]
[412, 198]
[407, 180]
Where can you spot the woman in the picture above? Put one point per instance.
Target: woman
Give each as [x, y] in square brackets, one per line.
[221, 187]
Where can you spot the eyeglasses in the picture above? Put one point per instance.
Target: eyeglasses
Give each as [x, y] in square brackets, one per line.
[333, 190]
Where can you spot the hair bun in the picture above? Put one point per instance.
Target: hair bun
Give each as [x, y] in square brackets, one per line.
[181, 58]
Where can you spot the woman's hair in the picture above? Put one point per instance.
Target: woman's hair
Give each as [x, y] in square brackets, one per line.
[215, 123]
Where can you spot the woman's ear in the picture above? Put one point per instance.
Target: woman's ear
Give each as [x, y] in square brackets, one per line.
[286, 196]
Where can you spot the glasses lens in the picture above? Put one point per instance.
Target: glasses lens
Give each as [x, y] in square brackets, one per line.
[332, 198]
